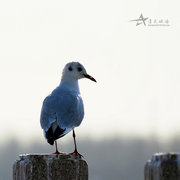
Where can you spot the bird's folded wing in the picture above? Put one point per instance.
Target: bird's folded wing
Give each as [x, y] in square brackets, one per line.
[66, 109]
[48, 112]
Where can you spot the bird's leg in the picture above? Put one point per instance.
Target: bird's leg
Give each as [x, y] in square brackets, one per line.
[56, 147]
[57, 152]
[75, 146]
[75, 149]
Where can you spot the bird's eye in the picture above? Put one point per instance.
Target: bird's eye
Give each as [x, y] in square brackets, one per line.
[79, 69]
[70, 68]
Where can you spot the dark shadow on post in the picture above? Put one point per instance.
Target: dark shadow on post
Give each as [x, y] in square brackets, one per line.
[50, 167]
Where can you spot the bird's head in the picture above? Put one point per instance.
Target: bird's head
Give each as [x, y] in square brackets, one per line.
[75, 70]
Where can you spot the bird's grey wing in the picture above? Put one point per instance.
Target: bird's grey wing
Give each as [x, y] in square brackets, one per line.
[48, 112]
[67, 109]
[49, 119]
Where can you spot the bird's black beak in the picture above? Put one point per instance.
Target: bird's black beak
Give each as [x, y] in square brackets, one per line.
[89, 77]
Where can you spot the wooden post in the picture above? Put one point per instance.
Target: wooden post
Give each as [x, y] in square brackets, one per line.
[163, 166]
[50, 167]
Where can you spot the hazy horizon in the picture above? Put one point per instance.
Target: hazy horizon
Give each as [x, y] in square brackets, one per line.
[86, 137]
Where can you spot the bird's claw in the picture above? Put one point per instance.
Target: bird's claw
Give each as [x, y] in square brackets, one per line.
[76, 153]
[57, 152]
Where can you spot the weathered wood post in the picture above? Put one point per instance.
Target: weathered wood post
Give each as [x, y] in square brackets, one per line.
[163, 166]
[50, 167]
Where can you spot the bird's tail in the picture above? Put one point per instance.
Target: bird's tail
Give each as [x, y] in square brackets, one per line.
[50, 141]
[52, 136]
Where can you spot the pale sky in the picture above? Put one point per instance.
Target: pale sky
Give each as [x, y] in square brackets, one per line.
[137, 68]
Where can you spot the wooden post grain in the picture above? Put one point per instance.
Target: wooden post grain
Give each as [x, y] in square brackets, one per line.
[50, 167]
[163, 166]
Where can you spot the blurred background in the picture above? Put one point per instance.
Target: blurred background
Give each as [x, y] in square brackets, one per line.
[134, 109]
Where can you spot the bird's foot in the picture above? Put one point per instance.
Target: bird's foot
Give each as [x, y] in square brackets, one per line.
[57, 152]
[76, 153]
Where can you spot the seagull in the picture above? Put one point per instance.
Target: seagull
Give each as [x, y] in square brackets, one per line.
[63, 109]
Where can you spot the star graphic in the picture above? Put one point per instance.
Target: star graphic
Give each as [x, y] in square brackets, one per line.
[140, 20]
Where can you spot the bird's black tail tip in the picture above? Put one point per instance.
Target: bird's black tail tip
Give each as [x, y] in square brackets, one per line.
[52, 136]
[50, 141]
